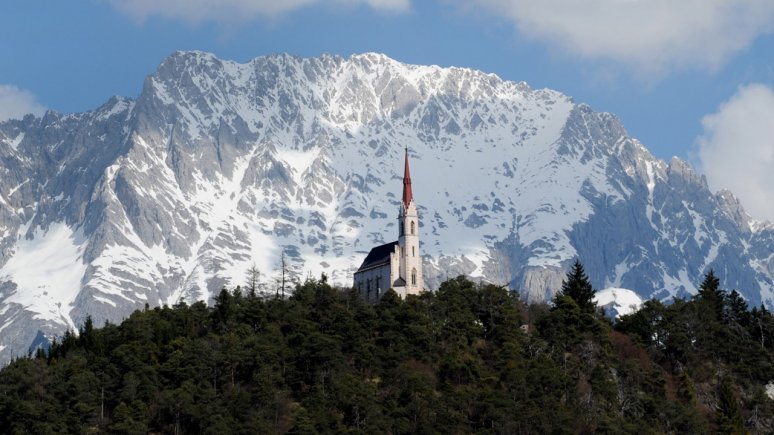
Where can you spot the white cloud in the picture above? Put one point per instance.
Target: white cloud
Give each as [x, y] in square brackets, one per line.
[736, 149]
[229, 11]
[15, 103]
[649, 36]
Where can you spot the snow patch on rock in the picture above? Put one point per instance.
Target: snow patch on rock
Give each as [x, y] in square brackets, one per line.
[618, 302]
[47, 270]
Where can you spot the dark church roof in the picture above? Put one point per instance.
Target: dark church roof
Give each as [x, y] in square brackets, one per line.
[378, 256]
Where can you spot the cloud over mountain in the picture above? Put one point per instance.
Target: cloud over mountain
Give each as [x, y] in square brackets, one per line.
[736, 149]
[15, 103]
[230, 11]
[648, 36]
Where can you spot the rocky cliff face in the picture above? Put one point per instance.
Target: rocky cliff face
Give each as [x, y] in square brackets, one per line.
[219, 165]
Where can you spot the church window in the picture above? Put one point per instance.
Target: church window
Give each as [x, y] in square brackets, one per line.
[413, 277]
[401, 228]
[412, 228]
[413, 254]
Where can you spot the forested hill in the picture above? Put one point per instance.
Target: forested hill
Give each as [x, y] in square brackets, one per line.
[453, 361]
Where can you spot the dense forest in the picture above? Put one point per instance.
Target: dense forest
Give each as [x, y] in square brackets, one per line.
[465, 358]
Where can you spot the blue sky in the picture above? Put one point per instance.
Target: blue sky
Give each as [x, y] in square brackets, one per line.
[692, 78]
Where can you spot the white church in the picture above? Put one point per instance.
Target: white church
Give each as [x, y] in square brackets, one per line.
[396, 265]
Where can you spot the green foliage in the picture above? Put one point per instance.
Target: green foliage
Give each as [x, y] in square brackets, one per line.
[710, 296]
[454, 361]
[578, 287]
[729, 417]
[720, 352]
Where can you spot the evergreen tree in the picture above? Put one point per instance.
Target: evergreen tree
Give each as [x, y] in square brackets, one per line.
[454, 361]
[737, 310]
[711, 296]
[224, 308]
[578, 287]
[86, 334]
[687, 390]
[729, 418]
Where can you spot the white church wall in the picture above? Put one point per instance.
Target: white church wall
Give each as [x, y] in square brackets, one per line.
[373, 283]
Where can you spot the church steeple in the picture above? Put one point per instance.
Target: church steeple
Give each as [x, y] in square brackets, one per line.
[396, 265]
[407, 194]
[410, 260]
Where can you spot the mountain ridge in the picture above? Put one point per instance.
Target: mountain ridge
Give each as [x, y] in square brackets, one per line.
[218, 165]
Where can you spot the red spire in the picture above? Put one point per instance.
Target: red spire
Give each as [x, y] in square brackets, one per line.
[407, 195]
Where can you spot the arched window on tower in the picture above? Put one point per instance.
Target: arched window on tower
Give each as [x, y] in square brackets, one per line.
[412, 228]
[413, 254]
[413, 277]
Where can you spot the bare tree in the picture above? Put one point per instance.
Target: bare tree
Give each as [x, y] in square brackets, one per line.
[283, 275]
[253, 280]
[287, 276]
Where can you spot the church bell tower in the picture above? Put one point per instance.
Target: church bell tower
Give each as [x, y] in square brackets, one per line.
[396, 265]
[408, 237]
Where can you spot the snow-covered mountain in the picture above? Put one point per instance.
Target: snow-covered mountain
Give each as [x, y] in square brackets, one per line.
[618, 301]
[219, 165]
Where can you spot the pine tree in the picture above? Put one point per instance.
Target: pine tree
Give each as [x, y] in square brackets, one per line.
[578, 287]
[224, 307]
[86, 334]
[687, 390]
[729, 417]
[738, 310]
[711, 295]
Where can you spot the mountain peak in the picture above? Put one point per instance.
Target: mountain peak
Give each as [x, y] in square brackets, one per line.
[220, 165]
[730, 205]
[682, 172]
